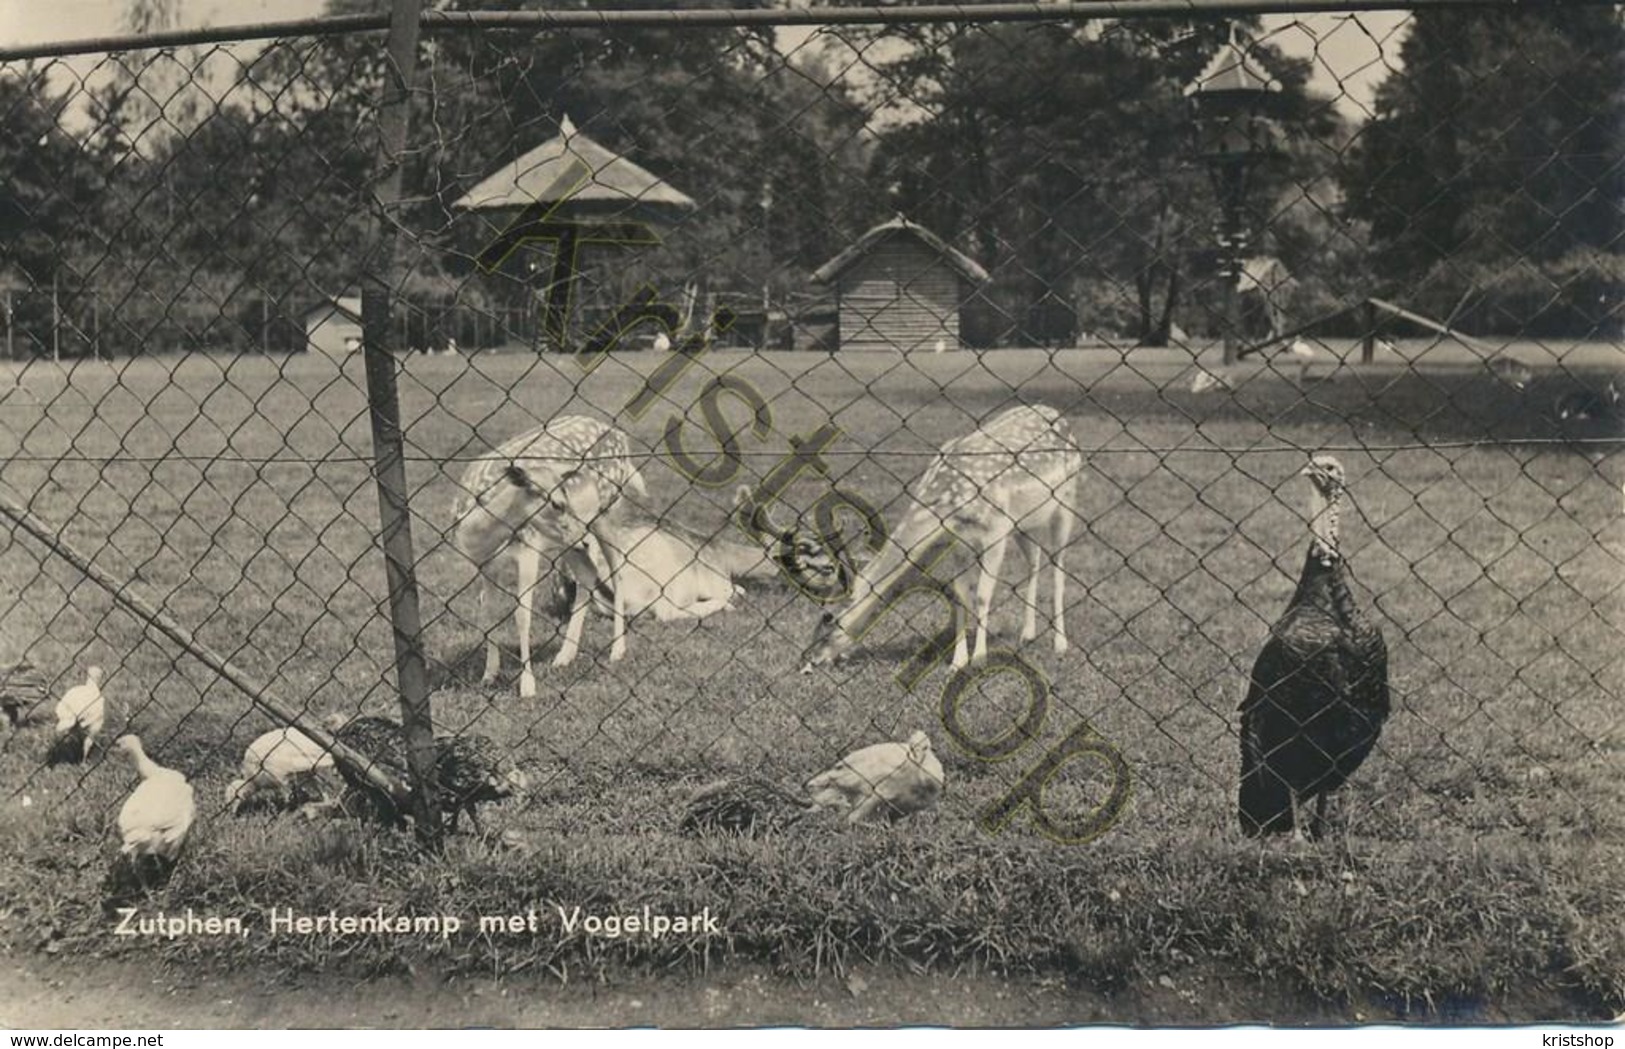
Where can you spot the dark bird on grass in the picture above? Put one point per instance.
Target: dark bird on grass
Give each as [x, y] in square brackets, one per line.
[745, 805]
[154, 822]
[1588, 405]
[23, 690]
[470, 770]
[383, 743]
[80, 715]
[1319, 691]
[890, 780]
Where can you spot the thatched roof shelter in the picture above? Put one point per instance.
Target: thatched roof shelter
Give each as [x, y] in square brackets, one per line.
[570, 167]
[567, 191]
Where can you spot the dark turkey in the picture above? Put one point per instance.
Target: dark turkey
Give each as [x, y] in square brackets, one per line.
[382, 742]
[1319, 691]
[470, 770]
[744, 806]
[1587, 405]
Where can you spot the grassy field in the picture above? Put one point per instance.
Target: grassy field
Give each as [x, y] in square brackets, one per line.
[1483, 854]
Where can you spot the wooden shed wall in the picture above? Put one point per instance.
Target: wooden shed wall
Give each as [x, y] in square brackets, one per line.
[330, 330]
[903, 296]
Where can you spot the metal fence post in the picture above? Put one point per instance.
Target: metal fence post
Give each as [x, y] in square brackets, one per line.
[380, 279]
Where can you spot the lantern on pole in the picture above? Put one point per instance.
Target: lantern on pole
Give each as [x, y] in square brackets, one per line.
[1231, 104]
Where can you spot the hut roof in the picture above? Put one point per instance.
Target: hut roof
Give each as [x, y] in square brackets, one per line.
[556, 170]
[1232, 70]
[967, 266]
[346, 306]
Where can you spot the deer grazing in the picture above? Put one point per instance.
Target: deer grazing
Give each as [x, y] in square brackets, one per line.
[1016, 475]
[540, 496]
[633, 563]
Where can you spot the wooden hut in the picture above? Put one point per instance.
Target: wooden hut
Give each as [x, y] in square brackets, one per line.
[333, 326]
[900, 287]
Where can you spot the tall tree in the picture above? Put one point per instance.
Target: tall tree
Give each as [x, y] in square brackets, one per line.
[1493, 172]
[1062, 158]
[49, 213]
[52, 217]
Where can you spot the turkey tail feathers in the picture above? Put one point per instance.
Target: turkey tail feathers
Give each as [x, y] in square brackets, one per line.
[1264, 804]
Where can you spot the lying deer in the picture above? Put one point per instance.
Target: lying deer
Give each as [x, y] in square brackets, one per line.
[633, 563]
[1016, 475]
[538, 497]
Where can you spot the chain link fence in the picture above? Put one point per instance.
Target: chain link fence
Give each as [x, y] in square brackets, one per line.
[676, 313]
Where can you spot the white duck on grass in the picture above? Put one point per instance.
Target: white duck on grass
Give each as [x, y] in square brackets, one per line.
[285, 761]
[891, 780]
[157, 817]
[1304, 354]
[80, 715]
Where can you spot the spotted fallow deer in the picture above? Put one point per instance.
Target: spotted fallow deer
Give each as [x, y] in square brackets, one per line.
[540, 497]
[1016, 475]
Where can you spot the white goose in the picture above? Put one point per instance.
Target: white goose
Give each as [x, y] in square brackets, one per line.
[891, 779]
[158, 815]
[80, 715]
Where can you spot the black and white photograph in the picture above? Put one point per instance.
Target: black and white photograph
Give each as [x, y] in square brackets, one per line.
[759, 513]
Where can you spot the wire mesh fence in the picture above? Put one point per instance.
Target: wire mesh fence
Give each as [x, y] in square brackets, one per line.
[800, 422]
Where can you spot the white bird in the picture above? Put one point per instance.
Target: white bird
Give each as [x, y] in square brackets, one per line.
[158, 814]
[1205, 380]
[1305, 355]
[80, 715]
[892, 779]
[662, 343]
[279, 760]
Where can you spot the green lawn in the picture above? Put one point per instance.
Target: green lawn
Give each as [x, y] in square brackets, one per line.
[1485, 838]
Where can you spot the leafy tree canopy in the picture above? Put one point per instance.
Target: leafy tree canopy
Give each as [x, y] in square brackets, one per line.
[1496, 160]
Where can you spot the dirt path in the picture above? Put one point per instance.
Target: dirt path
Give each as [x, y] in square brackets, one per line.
[45, 993]
[53, 995]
